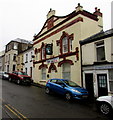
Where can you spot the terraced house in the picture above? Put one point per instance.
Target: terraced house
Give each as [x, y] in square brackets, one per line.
[56, 46]
[97, 64]
[13, 48]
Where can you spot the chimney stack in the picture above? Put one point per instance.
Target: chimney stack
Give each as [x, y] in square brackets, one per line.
[50, 13]
[99, 16]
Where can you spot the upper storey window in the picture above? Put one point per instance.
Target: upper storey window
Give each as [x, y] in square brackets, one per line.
[65, 45]
[100, 49]
[43, 52]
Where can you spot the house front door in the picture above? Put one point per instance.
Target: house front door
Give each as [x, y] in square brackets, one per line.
[102, 84]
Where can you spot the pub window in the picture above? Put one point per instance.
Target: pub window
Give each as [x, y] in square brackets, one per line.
[43, 52]
[66, 71]
[65, 44]
[43, 73]
[100, 49]
[71, 47]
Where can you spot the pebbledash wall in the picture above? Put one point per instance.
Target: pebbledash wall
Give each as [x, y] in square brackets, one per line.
[64, 33]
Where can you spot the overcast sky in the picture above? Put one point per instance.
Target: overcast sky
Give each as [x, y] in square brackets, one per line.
[24, 18]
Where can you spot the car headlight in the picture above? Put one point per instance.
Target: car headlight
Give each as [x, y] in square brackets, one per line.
[75, 91]
[22, 77]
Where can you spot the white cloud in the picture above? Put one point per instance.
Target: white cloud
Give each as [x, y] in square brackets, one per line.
[24, 18]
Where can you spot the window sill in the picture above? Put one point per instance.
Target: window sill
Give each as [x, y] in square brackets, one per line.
[100, 62]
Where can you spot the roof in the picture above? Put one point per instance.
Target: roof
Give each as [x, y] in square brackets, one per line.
[65, 19]
[98, 36]
[21, 41]
[2, 53]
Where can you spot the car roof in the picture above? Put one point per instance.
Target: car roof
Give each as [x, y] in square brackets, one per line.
[57, 79]
[19, 71]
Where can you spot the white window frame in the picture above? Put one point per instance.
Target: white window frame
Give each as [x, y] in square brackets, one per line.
[65, 45]
[43, 52]
[100, 46]
[66, 72]
[43, 73]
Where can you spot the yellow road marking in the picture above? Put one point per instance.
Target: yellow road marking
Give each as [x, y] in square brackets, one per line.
[18, 112]
[13, 112]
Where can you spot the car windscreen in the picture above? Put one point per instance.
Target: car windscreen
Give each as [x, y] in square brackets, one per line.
[22, 73]
[71, 83]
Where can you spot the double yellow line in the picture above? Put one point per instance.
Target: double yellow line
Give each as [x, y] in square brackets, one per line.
[14, 111]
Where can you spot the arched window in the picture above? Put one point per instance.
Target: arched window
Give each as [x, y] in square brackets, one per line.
[65, 42]
[66, 71]
[43, 52]
[65, 45]
[43, 72]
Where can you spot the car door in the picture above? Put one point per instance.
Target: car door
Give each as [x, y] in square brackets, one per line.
[52, 84]
[13, 76]
[60, 87]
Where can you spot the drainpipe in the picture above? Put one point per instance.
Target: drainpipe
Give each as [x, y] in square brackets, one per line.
[81, 63]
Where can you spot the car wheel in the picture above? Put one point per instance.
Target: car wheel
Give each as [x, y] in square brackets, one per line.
[47, 90]
[10, 80]
[68, 96]
[18, 82]
[105, 108]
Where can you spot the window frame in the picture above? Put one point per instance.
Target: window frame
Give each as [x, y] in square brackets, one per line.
[43, 73]
[100, 45]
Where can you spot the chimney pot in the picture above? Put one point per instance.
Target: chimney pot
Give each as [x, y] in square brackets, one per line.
[96, 9]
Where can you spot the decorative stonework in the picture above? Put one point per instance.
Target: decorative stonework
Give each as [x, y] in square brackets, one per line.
[52, 67]
[69, 37]
[42, 66]
[65, 61]
[50, 23]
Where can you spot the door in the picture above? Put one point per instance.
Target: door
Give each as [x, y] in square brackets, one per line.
[102, 84]
[31, 71]
[89, 84]
[59, 88]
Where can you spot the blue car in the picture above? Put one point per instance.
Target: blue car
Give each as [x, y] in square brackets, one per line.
[66, 88]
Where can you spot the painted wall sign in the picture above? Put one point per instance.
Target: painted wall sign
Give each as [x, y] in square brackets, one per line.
[54, 60]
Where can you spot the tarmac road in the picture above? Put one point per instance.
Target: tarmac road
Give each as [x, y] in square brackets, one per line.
[27, 102]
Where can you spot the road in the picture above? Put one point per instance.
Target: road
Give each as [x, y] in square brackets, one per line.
[26, 102]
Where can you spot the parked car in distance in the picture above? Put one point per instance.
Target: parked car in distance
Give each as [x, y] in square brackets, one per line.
[66, 88]
[105, 104]
[4, 75]
[20, 78]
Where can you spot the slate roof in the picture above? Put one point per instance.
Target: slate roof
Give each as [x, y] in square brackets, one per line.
[98, 36]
